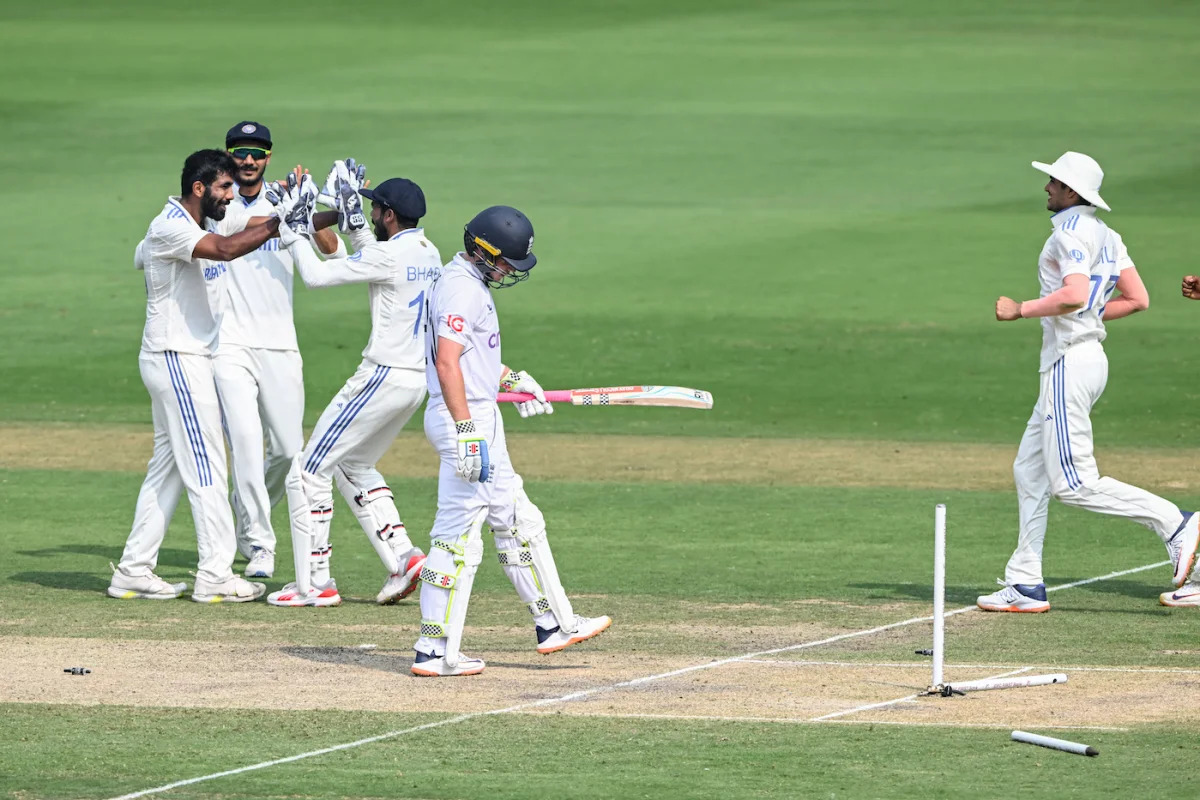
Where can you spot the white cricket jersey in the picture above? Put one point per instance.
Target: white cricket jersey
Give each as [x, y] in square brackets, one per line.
[398, 272]
[184, 295]
[461, 310]
[258, 309]
[1080, 245]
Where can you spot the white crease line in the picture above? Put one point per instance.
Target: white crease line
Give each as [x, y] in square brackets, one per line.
[906, 699]
[566, 698]
[1001, 726]
[911, 697]
[783, 662]
[806, 721]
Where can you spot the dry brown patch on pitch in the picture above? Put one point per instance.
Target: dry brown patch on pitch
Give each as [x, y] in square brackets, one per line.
[282, 677]
[794, 462]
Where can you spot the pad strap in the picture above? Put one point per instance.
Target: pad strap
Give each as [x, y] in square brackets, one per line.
[521, 557]
[442, 580]
[432, 628]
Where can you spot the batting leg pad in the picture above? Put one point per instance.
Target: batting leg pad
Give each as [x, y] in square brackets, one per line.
[375, 509]
[524, 553]
[300, 514]
[448, 575]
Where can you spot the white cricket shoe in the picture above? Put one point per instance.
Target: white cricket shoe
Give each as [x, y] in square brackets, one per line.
[142, 587]
[431, 666]
[235, 590]
[318, 596]
[1181, 547]
[262, 563]
[1019, 597]
[555, 639]
[401, 585]
[1186, 595]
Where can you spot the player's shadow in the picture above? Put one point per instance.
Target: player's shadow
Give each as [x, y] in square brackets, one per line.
[75, 581]
[391, 661]
[167, 556]
[916, 591]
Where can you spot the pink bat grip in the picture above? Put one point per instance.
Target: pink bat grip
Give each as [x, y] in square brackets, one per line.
[556, 396]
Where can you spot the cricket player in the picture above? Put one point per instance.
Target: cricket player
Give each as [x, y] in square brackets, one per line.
[184, 256]
[476, 483]
[397, 262]
[257, 365]
[1081, 265]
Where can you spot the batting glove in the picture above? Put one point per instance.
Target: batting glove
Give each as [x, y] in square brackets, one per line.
[349, 207]
[473, 463]
[525, 383]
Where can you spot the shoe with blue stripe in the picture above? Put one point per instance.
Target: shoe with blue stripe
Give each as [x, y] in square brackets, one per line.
[1182, 547]
[1186, 595]
[1018, 597]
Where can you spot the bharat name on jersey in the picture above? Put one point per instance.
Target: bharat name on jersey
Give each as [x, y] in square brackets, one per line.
[461, 310]
[1081, 244]
[184, 295]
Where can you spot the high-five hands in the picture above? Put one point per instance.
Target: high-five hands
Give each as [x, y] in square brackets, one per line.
[348, 170]
[294, 204]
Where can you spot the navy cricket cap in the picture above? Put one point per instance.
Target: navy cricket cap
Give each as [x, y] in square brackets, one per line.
[400, 195]
[249, 132]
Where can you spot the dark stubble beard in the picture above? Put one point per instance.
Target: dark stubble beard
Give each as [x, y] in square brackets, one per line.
[210, 207]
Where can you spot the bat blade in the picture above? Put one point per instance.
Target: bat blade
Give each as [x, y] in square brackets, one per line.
[665, 396]
[668, 396]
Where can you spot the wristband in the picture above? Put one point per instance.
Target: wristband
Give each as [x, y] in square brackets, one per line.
[466, 426]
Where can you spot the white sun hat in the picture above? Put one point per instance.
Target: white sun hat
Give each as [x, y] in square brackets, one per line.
[1080, 172]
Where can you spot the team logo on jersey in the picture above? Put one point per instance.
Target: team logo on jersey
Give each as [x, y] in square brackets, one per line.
[455, 322]
[249, 128]
[1077, 255]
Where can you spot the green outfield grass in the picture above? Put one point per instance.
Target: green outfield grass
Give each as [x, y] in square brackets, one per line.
[807, 208]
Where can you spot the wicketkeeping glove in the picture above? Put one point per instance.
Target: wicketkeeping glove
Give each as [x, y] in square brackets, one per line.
[284, 201]
[349, 171]
[349, 207]
[473, 463]
[299, 219]
[524, 382]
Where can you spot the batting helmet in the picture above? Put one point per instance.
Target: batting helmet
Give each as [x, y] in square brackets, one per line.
[501, 232]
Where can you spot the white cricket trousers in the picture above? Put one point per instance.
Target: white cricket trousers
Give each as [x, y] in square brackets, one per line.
[459, 502]
[1055, 458]
[261, 391]
[353, 433]
[188, 453]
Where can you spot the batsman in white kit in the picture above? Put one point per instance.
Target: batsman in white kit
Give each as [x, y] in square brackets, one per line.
[184, 257]
[258, 368]
[395, 259]
[1081, 265]
[476, 481]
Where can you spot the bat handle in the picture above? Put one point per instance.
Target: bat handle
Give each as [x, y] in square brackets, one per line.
[553, 396]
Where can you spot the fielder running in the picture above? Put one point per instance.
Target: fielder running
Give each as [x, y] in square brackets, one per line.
[362, 421]
[476, 483]
[184, 256]
[257, 365]
[1080, 266]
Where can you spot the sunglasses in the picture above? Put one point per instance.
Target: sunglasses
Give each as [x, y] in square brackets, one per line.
[257, 153]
